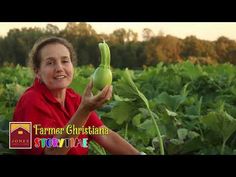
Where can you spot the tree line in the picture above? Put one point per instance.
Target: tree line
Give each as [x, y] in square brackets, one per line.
[126, 50]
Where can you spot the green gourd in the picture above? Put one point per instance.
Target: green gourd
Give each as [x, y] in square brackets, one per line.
[102, 76]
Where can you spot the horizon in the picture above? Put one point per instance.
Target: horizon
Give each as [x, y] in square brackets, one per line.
[210, 31]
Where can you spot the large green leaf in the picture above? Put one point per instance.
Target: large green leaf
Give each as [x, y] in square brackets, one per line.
[123, 111]
[172, 102]
[220, 122]
[149, 127]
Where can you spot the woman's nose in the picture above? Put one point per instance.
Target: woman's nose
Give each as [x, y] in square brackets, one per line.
[59, 67]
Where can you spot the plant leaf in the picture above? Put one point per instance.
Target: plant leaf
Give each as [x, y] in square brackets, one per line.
[220, 122]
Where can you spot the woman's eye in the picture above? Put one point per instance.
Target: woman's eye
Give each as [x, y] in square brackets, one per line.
[49, 63]
[65, 61]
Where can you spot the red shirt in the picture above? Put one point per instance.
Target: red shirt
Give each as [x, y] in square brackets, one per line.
[39, 106]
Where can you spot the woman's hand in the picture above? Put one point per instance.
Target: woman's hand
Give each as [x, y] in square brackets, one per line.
[90, 103]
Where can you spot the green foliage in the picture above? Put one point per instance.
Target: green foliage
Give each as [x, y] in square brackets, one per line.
[222, 124]
[193, 106]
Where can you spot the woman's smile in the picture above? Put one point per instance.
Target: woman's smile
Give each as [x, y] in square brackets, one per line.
[59, 77]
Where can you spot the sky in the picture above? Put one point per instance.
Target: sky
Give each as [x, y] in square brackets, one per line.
[202, 30]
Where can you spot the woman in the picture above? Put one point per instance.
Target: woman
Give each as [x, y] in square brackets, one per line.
[50, 105]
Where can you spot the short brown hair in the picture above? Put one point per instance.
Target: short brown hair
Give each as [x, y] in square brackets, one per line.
[34, 57]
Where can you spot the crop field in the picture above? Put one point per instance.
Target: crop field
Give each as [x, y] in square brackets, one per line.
[167, 109]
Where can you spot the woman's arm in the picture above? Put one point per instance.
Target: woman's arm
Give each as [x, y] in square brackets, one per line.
[115, 144]
[88, 104]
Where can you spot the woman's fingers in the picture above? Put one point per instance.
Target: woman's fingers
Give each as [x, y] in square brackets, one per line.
[106, 98]
[105, 94]
[109, 93]
[89, 87]
[94, 102]
[101, 95]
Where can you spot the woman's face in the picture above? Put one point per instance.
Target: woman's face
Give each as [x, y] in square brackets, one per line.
[56, 69]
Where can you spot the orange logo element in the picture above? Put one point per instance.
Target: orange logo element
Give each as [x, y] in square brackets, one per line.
[20, 135]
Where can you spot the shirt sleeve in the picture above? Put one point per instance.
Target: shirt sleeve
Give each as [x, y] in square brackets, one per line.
[37, 113]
